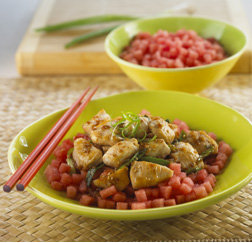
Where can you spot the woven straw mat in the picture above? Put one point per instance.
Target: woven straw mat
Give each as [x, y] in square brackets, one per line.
[23, 217]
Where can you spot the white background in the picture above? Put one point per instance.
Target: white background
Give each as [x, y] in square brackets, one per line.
[15, 16]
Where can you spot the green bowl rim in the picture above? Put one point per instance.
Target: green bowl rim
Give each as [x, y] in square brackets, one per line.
[113, 213]
[140, 67]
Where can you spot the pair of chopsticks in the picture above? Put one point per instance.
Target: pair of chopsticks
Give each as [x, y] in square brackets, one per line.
[30, 167]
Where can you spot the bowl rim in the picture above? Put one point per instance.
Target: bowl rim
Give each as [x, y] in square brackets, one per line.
[152, 213]
[162, 16]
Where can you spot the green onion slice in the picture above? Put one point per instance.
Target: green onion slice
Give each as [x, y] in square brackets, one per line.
[138, 155]
[193, 170]
[156, 160]
[182, 135]
[70, 161]
[91, 173]
[206, 153]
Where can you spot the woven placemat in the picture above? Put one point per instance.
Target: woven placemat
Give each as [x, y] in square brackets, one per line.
[25, 218]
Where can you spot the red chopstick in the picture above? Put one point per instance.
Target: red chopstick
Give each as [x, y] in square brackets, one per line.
[38, 163]
[30, 159]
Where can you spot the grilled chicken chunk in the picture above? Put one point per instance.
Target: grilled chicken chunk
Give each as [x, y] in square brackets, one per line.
[109, 177]
[103, 134]
[146, 174]
[157, 148]
[162, 129]
[186, 155]
[100, 118]
[122, 151]
[201, 141]
[85, 154]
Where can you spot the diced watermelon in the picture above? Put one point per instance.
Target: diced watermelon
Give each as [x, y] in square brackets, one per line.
[52, 174]
[138, 205]
[201, 175]
[145, 112]
[221, 157]
[163, 183]
[180, 199]
[225, 148]
[55, 163]
[170, 202]
[56, 185]
[176, 168]
[110, 204]
[64, 168]
[87, 200]
[210, 179]
[157, 203]
[212, 135]
[208, 186]
[122, 205]
[101, 202]
[182, 175]
[68, 144]
[200, 191]
[119, 197]
[148, 204]
[141, 195]
[213, 169]
[148, 192]
[81, 135]
[190, 197]
[193, 176]
[174, 182]
[185, 188]
[155, 192]
[66, 179]
[220, 164]
[71, 192]
[107, 192]
[77, 178]
[60, 153]
[83, 186]
[187, 180]
[165, 191]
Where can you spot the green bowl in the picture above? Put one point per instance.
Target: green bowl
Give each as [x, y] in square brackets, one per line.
[192, 79]
[198, 112]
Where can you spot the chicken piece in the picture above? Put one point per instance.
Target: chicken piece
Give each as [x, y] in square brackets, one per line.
[85, 154]
[162, 129]
[157, 148]
[99, 118]
[118, 178]
[201, 141]
[143, 127]
[105, 148]
[146, 174]
[187, 156]
[174, 127]
[104, 134]
[121, 152]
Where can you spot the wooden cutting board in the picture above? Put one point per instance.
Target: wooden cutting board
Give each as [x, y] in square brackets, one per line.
[44, 54]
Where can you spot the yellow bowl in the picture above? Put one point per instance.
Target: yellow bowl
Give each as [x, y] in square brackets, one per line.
[193, 79]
